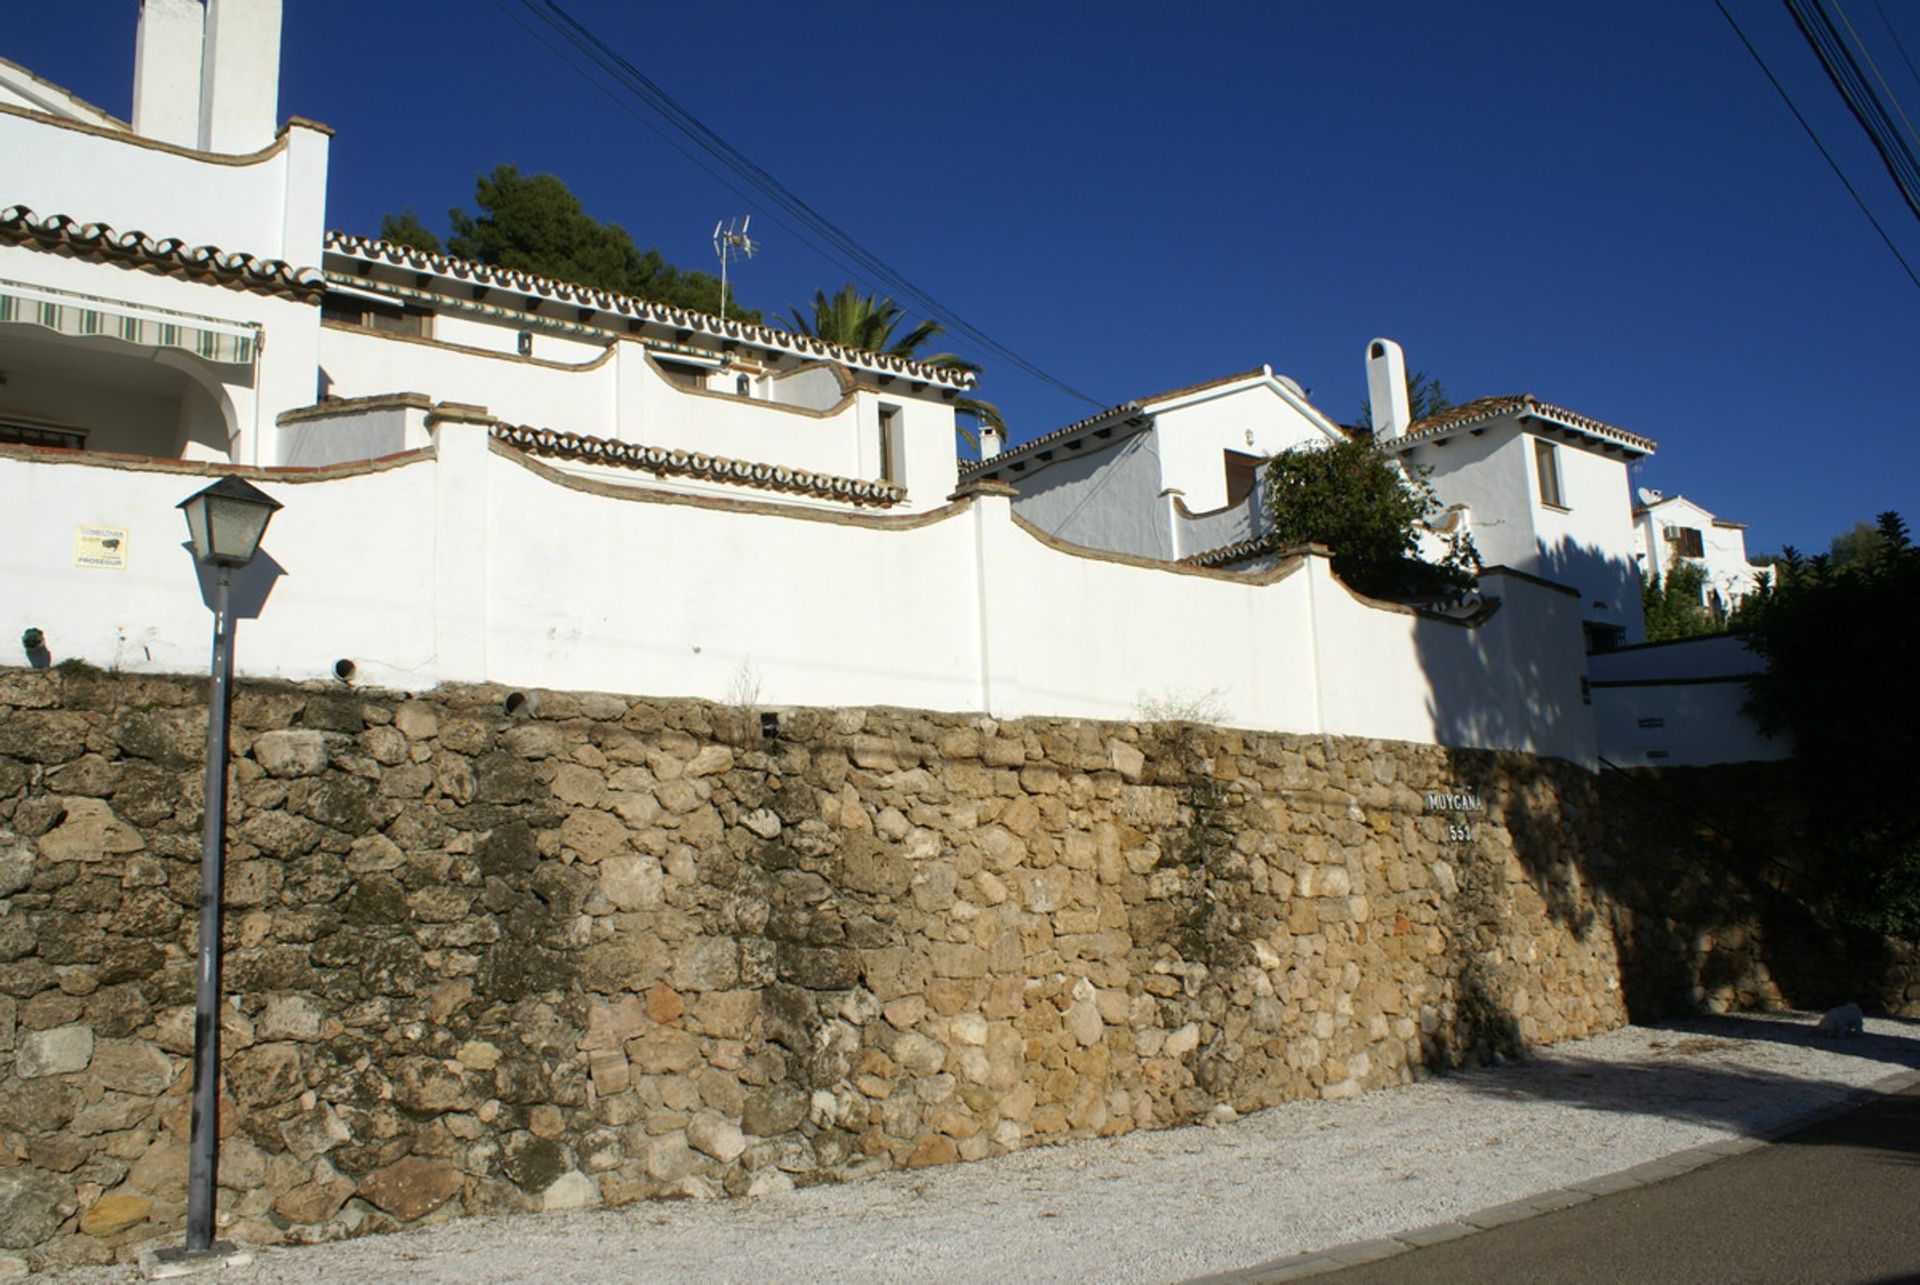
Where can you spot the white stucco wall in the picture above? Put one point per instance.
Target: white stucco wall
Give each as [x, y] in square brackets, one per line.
[1678, 704]
[1103, 496]
[470, 564]
[1586, 543]
[365, 434]
[693, 601]
[270, 205]
[1193, 436]
[1487, 473]
[340, 575]
[620, 393]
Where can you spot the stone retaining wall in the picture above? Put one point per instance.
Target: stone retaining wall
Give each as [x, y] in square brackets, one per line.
[597, 950]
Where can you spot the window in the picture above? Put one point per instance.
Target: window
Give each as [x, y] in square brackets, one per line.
[1685, 541]
[1546, 464]
[15, 433]
[1603, 637]
[1243, 471]
[683, 374]
[355, 311]
[890, 461]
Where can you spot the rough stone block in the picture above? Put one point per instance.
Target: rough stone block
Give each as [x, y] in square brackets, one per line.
[292, 753]
[59, 1051]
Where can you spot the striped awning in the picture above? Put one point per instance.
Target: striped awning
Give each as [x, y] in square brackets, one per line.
[65, 312]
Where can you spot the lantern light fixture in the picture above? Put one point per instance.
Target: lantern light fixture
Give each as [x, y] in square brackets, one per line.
[225, 521]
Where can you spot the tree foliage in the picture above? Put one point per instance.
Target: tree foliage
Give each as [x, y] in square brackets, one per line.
[1856, 547]
[405, 228]
[1355, 499]
[1671, 603]
[535, 224]
[1425, 399]
[853, 320]
[1841, 682]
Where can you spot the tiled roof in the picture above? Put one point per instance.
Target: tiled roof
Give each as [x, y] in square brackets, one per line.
[373, 249]
[1123, 410]
[1486, 408]
[21, 226]
[1228, 554]
[664, 462]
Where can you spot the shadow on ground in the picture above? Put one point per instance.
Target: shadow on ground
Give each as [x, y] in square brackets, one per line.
[1693, 1076]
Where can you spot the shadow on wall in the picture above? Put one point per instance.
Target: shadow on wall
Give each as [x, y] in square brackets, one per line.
[1702, 881]
[252, 584]
[1516, 680]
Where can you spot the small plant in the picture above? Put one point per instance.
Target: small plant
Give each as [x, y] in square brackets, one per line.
[743, 698]
[75, 667]
[1181, 705]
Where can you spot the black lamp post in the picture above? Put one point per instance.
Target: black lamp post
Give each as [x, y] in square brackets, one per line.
[225, 523]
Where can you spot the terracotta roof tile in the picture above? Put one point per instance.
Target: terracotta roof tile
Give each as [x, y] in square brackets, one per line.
[671, 462]
[1122, 410]
[21, 226]
[487, 274]
[1486, 408]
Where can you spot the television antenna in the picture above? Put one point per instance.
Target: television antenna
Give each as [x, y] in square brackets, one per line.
[732, 242]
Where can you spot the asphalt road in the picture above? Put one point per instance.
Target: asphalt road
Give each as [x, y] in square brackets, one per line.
[1839, 1201]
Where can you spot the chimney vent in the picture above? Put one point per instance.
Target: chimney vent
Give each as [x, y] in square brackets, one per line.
[240, 76]
[166, 71]
[1387, 390]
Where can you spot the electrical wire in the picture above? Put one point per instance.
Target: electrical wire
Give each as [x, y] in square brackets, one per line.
[813, 226]
[1897, 43]
[1837, 60]
[1835, 165]
[1874, 67]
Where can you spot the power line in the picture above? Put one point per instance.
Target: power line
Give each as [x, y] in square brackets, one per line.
[814, 227]
[1874, 67]
[1837, 60]
[1897, 43]
[1837, 171]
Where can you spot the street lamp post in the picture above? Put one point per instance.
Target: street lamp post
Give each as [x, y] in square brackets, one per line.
[224, 523]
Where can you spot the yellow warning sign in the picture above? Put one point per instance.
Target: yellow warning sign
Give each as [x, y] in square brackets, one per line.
[104, 548]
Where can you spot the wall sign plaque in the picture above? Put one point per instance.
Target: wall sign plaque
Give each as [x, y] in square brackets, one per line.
[1456, 802]
[104, 548]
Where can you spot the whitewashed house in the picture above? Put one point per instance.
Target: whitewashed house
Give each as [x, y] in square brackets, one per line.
[1165, 476]
[1671, 528]
[167, 289]
[1542, 489]
[494, 477]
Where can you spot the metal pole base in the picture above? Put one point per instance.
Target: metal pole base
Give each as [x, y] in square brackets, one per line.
[160, 1264]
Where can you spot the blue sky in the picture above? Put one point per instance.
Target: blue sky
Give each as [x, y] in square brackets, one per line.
[1604, 205]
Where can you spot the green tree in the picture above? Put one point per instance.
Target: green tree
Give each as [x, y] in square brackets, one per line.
[1671, 606]
[535, 224]
[1856, 547]
[1354, 498]
[867, 323]
[405, 228]
[1425, 398]
[1840, 681]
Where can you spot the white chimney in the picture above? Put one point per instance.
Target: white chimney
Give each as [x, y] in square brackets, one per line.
[989, 442]
[240, 76]
[1387, 389]
[166, 71]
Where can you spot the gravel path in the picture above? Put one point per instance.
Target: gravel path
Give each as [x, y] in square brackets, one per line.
[1184, 1202]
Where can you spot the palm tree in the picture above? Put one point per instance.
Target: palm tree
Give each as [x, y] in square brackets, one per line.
[854, 320]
